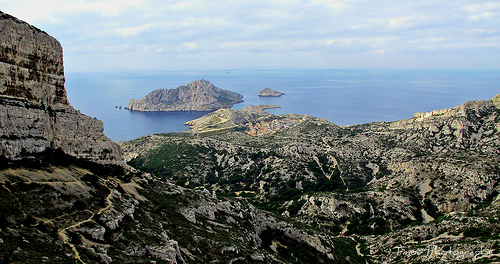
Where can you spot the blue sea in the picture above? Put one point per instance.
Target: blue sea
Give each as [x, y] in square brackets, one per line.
[344, 97]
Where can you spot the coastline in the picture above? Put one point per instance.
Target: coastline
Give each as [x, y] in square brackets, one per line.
[343, 97]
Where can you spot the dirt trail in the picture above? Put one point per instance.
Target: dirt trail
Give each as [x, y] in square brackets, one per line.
[63, 232]
[329, 149]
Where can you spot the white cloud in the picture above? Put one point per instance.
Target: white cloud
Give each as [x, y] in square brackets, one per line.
[187, 46]
[334, 5]
[380, 51]
[56, 10]
[392, 23]
[133, 31]
[483, 15]
[105, 8]
[339, 41]
[483, 7]
[428, 40]
[483, 11]
[225, 29]
[398, 22]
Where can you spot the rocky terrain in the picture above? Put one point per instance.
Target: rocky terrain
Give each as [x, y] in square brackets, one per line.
[67, 196]
[226, 119]
[198, 95]
[268, 92]
[423, 189]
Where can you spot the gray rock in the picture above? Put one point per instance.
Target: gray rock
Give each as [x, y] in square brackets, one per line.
[229, 118]
[169, 252]
[35, 115]
[195, 96]
[267, 92]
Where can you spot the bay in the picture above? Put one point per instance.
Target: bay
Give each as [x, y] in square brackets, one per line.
[344, 97]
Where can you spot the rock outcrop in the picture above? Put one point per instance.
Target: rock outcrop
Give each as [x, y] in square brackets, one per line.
[198, 95]
[268, 92]
[35, 115]
[229, 118]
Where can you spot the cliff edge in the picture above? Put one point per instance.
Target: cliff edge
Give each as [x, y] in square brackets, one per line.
[35, 114]
[198, 95]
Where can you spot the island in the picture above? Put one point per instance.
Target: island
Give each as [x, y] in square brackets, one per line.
[198, 95]
[268, 92]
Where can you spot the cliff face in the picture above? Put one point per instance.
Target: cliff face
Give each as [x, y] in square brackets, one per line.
[35, 115]
[196, 96]
[31, 65]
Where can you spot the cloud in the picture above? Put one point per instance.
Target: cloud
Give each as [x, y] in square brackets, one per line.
[56, 11]
[398, 22]
[334, 5]
[483, 11]
[289, 31]
[482, 15]
[133, 31]
[187, 46]
[380, 52]
[482, 7]
[339, 41]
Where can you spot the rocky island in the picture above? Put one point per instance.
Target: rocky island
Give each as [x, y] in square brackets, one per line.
[198, 95]
[268, 92]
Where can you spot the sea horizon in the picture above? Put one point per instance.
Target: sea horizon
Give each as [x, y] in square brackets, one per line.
[341, 96]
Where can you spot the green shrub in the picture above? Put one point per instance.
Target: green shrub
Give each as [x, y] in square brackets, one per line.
[477, 232]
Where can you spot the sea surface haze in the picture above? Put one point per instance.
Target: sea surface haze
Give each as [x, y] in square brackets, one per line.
[343, 97]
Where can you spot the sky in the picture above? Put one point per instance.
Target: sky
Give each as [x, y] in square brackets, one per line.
[271, 34]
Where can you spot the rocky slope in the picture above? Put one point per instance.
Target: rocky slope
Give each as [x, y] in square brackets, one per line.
[268, 92]
[67, 197]
[422, 189]
[60, 214]
[226, 119]
[196, 96]
[35, 115]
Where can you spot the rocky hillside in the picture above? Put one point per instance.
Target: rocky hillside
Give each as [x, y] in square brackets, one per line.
[196, 96]
[226, 119]
[415, 190]
[67, 197]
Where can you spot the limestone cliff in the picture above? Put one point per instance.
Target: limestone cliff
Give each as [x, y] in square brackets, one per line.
[196, 96]
[35, 115]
